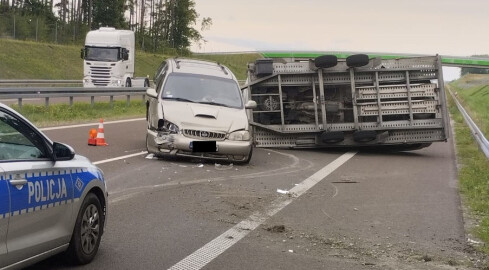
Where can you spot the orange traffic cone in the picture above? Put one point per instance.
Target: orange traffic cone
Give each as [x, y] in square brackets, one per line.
[100, 140]
[92, 135]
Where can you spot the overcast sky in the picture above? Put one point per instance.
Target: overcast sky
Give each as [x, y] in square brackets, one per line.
[446, 27]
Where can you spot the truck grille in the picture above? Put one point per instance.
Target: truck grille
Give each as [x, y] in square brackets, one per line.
[201, 134]
[100, 75]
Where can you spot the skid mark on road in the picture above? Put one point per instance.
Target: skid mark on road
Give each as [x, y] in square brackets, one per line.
[295, 166]
[201, 257]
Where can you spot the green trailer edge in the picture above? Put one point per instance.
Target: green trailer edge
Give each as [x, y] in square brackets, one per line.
[454, 61]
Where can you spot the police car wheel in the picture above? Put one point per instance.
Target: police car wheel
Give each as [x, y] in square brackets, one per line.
[88, 231]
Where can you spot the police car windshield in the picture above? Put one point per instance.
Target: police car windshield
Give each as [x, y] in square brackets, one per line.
[202, 89]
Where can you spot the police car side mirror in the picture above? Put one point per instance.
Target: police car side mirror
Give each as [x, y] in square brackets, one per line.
[62, 151]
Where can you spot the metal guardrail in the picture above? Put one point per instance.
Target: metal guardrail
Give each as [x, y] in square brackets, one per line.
[70, 92]
[476, 132]
[27, 82]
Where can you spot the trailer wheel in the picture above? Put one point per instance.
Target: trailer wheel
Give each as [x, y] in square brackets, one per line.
[128, 82]
[410, 147]
[357, 60]
[326, 61]
[332, 137]
[364, 135]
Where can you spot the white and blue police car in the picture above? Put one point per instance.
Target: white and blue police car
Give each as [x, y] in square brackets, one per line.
[51, 200]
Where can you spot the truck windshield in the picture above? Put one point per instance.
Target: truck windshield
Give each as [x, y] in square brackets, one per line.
[102, 54]
[202, 89]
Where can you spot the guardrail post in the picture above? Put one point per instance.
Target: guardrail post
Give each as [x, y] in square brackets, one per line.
[128, 100]
[20, 102]
[92, 101]
[46, 102]
[112, 101]
[71, 101]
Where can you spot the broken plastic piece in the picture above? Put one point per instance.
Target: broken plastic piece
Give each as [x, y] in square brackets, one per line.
[281, 191]
[223, 167]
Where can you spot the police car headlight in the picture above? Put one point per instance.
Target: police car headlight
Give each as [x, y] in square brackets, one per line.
[242, 135]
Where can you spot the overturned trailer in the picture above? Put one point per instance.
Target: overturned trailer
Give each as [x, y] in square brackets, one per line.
[357, 101]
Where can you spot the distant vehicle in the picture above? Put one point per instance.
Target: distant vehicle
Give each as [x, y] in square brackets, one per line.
[51, 200]
[197, 110]
[109, 57]
[323, 101]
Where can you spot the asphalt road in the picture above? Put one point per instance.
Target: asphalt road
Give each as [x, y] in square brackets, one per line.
[346, 209]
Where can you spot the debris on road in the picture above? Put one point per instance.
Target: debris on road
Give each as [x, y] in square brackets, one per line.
[150, 156]
[281, 191]
[276, 229]
[223, 167]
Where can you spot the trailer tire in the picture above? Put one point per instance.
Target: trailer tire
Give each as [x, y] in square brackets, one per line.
[357, 60]
[326, 61]
[332, 137]
[364, 135]
[410, 147]
[128, 82]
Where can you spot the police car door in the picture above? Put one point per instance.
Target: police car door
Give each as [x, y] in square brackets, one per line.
[40, 192]
[4, 216]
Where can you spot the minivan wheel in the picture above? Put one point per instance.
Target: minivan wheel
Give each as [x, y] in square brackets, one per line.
[88, 230]
[248, 158]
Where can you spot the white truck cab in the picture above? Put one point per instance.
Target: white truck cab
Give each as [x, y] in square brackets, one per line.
[109, 57]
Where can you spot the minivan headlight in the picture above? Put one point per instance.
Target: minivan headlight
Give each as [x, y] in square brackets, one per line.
[172, 128]
[242, 135]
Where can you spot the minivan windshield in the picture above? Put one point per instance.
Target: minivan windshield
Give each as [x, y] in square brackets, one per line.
[202, 89]
[102, 54]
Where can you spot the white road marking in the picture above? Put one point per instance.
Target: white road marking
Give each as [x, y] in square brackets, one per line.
[93, 124]
[216, 247]
[119, 158]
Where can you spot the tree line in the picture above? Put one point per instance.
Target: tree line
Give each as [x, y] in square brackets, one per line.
[160, 25]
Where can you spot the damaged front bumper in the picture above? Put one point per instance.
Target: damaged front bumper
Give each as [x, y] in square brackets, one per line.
[179, 145]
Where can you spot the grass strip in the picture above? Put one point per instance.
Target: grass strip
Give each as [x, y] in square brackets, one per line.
[80, 112]
[473, 174]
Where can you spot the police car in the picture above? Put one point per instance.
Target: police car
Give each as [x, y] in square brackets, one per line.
[51, 200]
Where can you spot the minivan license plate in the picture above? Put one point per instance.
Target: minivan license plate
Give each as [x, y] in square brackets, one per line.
[203, 146]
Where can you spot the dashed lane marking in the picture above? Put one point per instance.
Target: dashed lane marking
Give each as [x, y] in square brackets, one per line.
[119, 158]
[216, 247]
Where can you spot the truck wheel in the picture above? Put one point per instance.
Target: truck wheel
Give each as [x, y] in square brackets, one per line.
[146, 83]
[357, 60]
[88, 231]
[364, 135]
[326, 61]
[128, 82]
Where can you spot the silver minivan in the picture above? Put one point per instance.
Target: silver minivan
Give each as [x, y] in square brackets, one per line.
[197, 110]
[51, 200]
